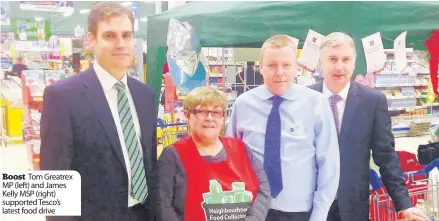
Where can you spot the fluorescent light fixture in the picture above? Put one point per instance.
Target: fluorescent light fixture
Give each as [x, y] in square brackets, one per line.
[84, 11]
[144, 19]
[67, 14]
[38, 19]
[126, 4]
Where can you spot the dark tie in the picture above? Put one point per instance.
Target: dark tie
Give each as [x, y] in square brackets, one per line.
[272, 163]
[334, 99]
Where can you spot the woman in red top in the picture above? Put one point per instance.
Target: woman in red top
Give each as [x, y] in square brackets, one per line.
[205, 176]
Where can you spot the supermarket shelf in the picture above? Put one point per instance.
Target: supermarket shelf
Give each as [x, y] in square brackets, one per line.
[221, 63]
[402, 97]
[404, 130]
[392, 51]
[216, 75]
[404, 74]
[400, 85]
[414, 107]
[56, 61]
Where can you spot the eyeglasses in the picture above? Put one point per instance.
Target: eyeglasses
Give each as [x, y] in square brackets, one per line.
[205, 113]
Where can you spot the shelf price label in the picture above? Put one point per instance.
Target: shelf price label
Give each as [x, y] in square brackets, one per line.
[48, 193]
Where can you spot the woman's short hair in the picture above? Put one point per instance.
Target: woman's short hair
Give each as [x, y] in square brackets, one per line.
[205, 96]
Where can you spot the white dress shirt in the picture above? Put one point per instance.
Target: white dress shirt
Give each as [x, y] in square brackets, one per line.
[341, 104]
[108, 83]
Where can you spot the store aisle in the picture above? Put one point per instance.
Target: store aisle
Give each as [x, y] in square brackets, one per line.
[15, 157]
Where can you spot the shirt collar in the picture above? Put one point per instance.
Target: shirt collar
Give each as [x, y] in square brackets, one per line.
[107, 80]
[290, 94]
[343, 93]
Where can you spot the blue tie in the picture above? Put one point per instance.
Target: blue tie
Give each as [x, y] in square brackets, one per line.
[272, 163]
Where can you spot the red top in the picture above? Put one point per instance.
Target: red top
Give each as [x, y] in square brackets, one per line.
[217, 191]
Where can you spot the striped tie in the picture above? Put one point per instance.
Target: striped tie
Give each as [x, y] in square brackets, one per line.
[272, 159]
[139, 189]
[334, 99]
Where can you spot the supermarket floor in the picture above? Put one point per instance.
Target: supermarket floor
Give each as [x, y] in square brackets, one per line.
[14, 157]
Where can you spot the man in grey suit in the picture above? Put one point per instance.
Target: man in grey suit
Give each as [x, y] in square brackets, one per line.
[363, 125]
[102, 124]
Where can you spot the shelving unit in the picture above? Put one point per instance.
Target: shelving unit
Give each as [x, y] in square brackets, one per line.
[11, 102]
[406, 94]
[33, 84]
[222, 70]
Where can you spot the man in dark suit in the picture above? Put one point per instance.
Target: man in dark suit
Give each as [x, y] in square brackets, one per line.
[363, 124]
[102, 123]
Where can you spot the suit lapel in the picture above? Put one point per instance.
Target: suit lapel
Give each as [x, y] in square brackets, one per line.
[351, 106]
[96, 97]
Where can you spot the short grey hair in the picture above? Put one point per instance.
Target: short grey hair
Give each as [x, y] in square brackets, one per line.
[336, 39]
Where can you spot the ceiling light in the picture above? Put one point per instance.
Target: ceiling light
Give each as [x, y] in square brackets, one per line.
[67, 14]
[84, 11]
[38, 19]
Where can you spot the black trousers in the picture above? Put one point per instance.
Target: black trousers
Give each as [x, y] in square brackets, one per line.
[276, 215]
[334, 212]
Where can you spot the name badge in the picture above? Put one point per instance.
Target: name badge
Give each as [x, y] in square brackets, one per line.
[297, 129]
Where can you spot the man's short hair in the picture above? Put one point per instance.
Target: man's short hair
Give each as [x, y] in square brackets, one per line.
[104, 10]
[279, 41]
[336, 39]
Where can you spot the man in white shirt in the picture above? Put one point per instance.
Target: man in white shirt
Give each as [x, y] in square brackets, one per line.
[102, 123]
[363, 125]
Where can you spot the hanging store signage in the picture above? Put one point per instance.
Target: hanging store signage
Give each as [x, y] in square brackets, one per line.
[31, 30]
[48, 6]
[79, 31]
[7, 37]
[309, 57]
[374, 53]
[5, 7]
[400, 52]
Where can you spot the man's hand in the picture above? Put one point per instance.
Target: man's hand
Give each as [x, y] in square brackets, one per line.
[414, 214]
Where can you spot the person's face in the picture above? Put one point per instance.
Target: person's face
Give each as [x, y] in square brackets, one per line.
[278, 68]
[114, 42]
[337, 65]
[205, 122]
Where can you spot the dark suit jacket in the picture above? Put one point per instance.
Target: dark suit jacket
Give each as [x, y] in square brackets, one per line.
[78, 133]
[366, 126]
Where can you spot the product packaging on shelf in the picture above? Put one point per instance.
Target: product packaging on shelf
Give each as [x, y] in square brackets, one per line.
[35, 80]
